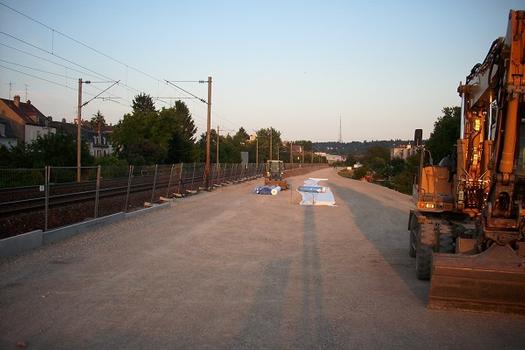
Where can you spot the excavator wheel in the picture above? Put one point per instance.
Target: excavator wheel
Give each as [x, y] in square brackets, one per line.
[412, 227]
[424, 251]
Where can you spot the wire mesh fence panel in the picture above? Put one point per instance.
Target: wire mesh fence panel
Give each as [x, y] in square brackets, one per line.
[70, 201]
[21, 200]
[113, 189]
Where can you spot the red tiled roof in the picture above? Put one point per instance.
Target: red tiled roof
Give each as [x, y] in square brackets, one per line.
[26, 111]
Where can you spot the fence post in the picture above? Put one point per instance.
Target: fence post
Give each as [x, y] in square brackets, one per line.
[169, 181]
[130, 176]
[154, 183]
[97, 191]
[46, 194]
[193, 176]
[180, 178]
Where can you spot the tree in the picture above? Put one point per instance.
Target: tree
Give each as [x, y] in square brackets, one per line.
[446, 132]
[147, 136]
[98, 121]
[143, 103]
[52, 149]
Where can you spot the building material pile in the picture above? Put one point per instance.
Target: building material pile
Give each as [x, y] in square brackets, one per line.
[314, 194]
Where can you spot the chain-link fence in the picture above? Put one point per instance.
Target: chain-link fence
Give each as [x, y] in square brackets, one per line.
[51, 197]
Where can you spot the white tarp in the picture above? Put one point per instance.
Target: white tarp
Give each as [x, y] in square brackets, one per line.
[314, 194]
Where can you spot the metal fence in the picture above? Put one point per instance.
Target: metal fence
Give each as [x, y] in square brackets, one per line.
[51, 197]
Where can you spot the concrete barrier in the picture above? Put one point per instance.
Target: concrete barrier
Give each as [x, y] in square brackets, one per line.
[18, 244]
[132, 214]
[60, 233]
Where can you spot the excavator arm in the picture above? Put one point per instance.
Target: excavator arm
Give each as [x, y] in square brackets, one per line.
[487, 273]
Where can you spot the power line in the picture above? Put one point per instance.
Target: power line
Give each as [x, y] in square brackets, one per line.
[38, 70]
[100, 75]
[47, 60]
[186, 91]
[53, 30]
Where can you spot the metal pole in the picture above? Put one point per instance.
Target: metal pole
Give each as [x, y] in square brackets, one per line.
[97, 192]
[208, 134]
[462, 117]
[217, 157]
[257, 151]
[130, 176]
[271, 141]
[46, 189]
[291, 153]
[169, 181]
[79, 130]
[193, 176]
[180, 177]
[154, 183]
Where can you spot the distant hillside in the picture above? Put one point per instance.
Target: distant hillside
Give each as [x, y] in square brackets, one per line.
[354, 147]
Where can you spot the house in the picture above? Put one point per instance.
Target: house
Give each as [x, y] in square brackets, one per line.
[97, 140]
[7, 137]
[331, 158]
[23, 121]
[402, 151]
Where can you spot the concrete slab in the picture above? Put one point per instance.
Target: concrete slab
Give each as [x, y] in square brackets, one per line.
[19, 244]
[61, 233]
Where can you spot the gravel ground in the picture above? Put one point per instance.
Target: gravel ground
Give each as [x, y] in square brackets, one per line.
[233, 270]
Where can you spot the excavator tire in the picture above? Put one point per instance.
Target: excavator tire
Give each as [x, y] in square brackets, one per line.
[424, 251]
[412, 227]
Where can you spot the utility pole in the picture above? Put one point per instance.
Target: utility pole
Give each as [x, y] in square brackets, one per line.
[257, 150]
[303, 154]
[10, 88]
[291, 152]
[312, 154]
[79, 130]
[217, 159]
[271, 134]
[208, 139]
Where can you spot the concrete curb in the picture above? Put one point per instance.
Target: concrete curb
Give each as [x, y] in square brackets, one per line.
[21, 243]
[139, 212]
[60, 233]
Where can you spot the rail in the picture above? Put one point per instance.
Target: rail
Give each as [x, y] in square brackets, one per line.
[50, 197]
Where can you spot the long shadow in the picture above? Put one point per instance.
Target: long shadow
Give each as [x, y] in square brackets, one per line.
[261, 328]
[386, 228]
[314, 328]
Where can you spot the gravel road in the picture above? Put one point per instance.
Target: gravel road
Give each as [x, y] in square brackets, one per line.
[233, 270]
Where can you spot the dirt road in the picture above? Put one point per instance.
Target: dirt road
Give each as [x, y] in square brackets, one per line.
[233, 270]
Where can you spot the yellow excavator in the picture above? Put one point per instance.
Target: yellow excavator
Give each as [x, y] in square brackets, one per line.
[467, 232]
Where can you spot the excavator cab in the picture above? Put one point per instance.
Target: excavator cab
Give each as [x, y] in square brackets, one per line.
[274, 174]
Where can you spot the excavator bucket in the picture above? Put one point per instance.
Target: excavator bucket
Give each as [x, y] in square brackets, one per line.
[492, 281]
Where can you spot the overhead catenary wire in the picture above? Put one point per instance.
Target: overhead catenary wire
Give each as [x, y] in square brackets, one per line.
[100, 75]
[125, 85]
[53, 30]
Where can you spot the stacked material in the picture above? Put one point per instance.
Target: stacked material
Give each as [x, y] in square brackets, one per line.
[267, 190]
[314, 194]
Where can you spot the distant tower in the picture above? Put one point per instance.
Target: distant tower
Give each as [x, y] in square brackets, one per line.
[340, 133]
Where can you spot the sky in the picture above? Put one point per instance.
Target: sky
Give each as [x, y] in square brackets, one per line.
[384, 67]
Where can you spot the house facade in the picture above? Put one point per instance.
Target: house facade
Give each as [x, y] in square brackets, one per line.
[22, 121]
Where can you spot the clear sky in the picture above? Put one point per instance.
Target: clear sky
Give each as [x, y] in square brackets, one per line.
[385, 67]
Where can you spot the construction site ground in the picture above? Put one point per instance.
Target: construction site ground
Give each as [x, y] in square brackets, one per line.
[231, 270]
